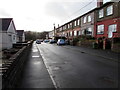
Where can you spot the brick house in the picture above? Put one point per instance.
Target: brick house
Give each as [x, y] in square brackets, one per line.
[107, 22]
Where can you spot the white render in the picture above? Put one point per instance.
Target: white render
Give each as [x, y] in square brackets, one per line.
[8, 38]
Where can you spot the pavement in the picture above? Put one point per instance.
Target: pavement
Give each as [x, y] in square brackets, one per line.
[107, 54]
[35, 74]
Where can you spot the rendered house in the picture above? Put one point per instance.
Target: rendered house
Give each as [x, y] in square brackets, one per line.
[20, 36]
[107, 22]
[7, 33]
[87, 23]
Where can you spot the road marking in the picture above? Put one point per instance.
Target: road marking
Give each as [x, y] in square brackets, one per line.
[35, 56]
[34, 50]
[49, 72]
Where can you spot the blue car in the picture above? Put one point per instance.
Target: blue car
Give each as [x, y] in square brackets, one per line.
[38, 41]
[61, 42]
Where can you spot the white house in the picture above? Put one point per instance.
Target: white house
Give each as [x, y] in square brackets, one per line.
[20, 36]
[7, 33]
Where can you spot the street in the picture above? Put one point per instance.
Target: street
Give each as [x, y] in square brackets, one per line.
[67, 67]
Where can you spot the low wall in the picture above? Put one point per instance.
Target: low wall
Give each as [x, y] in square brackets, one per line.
[12, 69]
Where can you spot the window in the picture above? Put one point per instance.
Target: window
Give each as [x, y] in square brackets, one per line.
[89, 31]
[75, 33]
[89, 18]
[101, 13]
[112, 27]
[79, 33]
[84, 20]
[68, 26]
[13, 37]
[83, 32]
[110, 10]
[61, 29]
[78, 23]
[100, 29]
[75, 23]
[71, 33]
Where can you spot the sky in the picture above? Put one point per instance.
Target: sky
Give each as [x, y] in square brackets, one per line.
[40, 15]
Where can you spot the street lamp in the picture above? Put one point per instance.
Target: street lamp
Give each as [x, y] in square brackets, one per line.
[54, 30]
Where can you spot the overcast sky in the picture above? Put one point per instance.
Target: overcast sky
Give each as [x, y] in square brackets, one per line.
[40, 15]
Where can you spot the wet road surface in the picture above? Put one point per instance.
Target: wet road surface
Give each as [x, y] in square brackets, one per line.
[73, 69]
[52, 66]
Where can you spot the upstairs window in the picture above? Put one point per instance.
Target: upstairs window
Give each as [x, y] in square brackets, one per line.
[89, 18]
[78, 22]
[101, 13]
[110, 10]
[68, 26]
[75, 23]
[84, 20]
[100, 29]
[61, 29]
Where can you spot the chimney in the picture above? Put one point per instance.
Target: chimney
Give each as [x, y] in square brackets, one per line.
[58, 25]
[99, 3]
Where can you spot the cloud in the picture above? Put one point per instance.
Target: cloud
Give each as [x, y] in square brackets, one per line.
[4, 13]
[55, 9]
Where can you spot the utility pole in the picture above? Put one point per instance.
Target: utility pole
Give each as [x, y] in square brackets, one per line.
[54, 30]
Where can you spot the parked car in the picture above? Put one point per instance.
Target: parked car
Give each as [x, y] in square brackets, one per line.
[52, 41]
[46, 40]
[38, 41]
[67, 42]
[61, 42]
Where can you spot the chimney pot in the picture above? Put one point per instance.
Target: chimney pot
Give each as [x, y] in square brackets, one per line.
[99, 3]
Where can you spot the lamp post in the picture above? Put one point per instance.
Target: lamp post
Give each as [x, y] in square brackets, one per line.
[54, 30]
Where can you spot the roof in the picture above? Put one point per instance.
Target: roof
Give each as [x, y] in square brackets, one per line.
[5, 23]
[107, 3]
[20, 32]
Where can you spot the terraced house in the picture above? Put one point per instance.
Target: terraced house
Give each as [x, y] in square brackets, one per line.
[70, 29]
[102, 21]
[87, 23]
[107, 22]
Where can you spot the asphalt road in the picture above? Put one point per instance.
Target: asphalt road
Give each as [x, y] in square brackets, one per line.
[69, 68]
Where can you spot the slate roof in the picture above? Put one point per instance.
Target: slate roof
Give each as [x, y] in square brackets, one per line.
[20, 32]
[5, 23]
